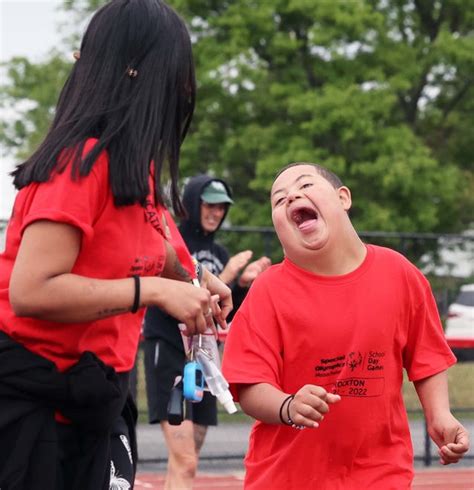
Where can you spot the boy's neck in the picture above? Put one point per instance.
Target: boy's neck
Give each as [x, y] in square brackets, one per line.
[337, 260]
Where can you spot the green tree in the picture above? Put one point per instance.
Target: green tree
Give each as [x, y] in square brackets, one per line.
[29, 98]
[380, 91]
[374, 90]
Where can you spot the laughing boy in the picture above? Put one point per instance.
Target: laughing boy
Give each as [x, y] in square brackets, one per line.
[317, 350]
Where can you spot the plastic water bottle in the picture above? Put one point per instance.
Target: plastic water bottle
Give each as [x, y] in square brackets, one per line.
[207, 354]
[207, 342]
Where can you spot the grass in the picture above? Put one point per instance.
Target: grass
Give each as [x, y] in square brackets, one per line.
[461, 389]
[461, 393]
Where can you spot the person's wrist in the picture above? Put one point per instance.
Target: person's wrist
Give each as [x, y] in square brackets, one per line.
[285, 408]
[282, 410]
[153, 290]
[224, 277]
[243, 283]
[137, 296]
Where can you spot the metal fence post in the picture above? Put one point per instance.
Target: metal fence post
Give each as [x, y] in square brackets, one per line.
[267, 238]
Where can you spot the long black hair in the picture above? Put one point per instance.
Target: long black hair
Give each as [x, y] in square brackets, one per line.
[138, 117]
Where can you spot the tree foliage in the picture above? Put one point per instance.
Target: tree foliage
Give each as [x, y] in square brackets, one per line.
[380, 91]
[376, 91]
[28, 101]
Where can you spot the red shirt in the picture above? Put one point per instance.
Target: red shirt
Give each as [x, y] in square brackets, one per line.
[352, 334]
[117, 242]
[176, 240]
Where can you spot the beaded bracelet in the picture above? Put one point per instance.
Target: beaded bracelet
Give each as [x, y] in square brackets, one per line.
[290, 420]
[283, 421]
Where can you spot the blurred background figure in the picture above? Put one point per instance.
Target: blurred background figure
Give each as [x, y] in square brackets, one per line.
[206, 200]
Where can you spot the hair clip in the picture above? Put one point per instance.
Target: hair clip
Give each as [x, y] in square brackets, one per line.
[132, 73]
[76, 55]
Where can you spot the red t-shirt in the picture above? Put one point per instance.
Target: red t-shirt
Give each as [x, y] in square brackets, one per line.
[176, 240]
[352, 334]
[117, 242]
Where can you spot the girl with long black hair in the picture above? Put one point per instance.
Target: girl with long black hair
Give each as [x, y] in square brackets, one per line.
[86, 250]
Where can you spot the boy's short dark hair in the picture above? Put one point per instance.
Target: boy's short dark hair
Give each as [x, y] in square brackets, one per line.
[331, 177]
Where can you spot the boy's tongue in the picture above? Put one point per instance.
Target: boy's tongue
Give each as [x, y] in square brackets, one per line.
[306, 220]
[308, 225]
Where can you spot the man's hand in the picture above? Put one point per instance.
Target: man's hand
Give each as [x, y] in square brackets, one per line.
[235, 264]
[251, 272]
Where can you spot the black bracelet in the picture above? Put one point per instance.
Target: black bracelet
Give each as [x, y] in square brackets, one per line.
[290, 420]
[136, 299]
[288, 398]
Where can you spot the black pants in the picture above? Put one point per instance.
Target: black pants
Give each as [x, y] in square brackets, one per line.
[70, 444]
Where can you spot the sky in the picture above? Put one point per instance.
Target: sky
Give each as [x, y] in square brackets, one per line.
[27, 28]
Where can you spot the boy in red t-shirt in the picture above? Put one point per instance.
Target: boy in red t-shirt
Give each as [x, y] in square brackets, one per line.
[320, 344]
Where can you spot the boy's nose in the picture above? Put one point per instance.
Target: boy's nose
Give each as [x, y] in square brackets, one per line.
[292, 196]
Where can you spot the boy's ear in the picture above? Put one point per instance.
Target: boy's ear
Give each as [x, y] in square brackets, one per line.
[345, 197]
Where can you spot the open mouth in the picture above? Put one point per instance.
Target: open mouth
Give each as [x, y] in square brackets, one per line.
[301, 215]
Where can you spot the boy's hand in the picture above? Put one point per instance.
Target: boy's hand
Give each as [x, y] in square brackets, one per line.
[451, 438]
[310, 404]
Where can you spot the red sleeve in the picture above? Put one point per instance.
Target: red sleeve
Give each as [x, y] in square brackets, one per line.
[426, 352]
[74, 202]
[253, 348]
[177, 242]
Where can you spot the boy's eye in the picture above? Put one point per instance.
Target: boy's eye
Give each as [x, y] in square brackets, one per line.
[279, 201]
[306, 185]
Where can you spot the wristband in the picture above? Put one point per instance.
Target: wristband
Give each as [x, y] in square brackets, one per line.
[136, 298]
[288, 398]
[290, 420]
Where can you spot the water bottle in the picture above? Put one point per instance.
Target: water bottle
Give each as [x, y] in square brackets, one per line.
[207, 342]
[207, 354]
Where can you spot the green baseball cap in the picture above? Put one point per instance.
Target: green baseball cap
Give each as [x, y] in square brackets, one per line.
[215, 193]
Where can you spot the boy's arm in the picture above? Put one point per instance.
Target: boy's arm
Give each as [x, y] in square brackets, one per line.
[449, 435]
[262, 401]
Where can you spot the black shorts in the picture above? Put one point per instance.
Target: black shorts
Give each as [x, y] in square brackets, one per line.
[163, 362]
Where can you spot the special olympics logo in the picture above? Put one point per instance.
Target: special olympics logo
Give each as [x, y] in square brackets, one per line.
[354, 359]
